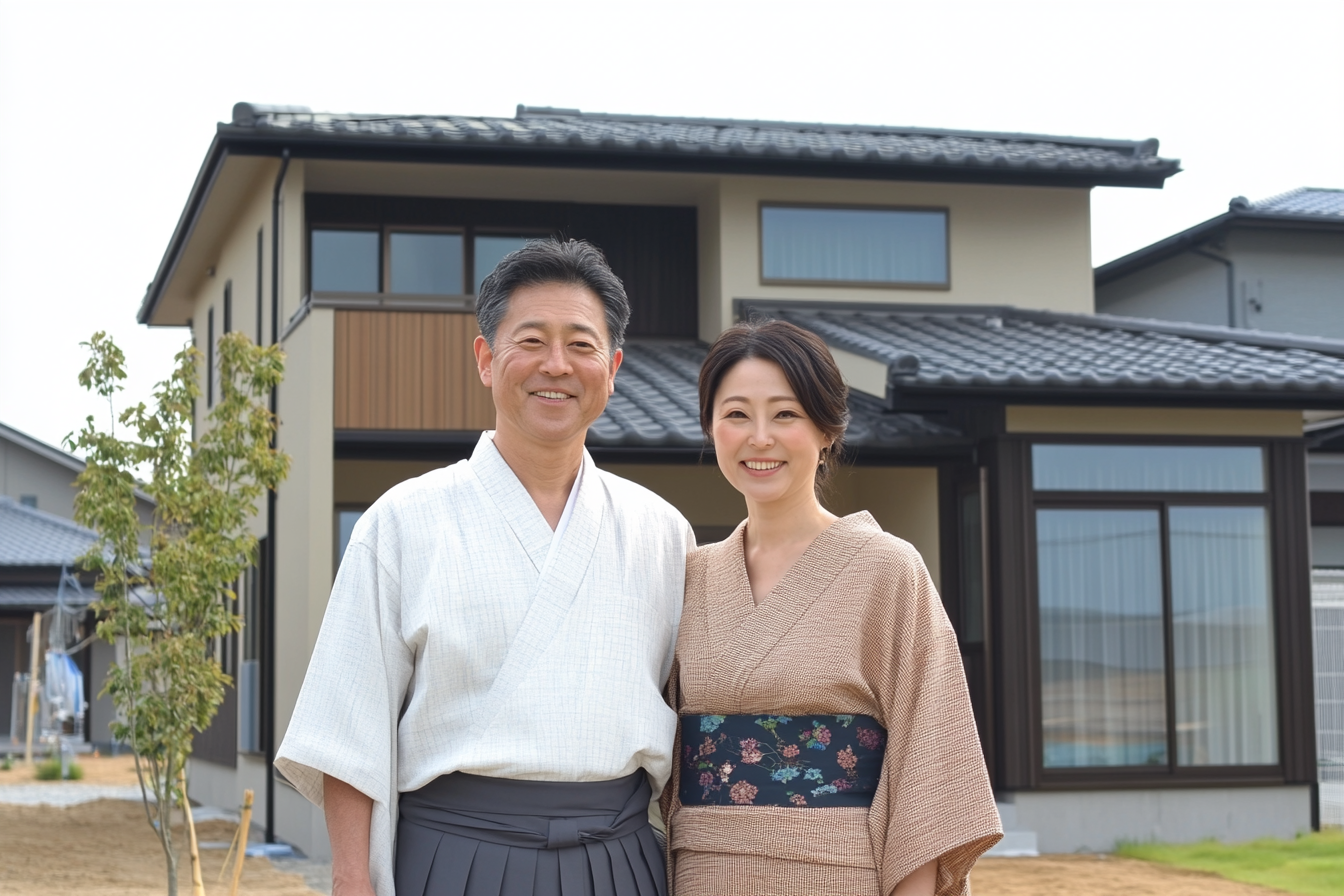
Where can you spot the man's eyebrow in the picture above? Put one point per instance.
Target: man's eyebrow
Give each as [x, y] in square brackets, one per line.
[574, 327]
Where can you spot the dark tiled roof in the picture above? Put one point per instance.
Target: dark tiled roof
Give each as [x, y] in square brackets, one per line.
[1302, 201]
[1039, 355]
[31, 537]
[656, 405]
[24, 597]
[560, 132]
[1304, 208]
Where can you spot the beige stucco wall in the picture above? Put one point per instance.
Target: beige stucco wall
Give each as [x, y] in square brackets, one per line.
[903, 500]
[1152, 421]
[304, 508]
[1029, 247]
[700, 492]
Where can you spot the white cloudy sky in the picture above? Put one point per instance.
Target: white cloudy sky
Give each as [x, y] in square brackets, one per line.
[107, 110]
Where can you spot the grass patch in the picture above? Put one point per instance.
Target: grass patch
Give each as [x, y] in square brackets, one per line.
[1312, 864]
[50, 770]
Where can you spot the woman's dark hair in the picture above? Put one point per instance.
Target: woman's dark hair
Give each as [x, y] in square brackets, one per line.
[807, 365]
[549, 260]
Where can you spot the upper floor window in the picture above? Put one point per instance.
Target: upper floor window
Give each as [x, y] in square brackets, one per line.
[854, 246]
[345, 261]
[406, 261]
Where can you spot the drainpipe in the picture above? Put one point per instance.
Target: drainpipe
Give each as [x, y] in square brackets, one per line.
[1231, 282]
[268, 642]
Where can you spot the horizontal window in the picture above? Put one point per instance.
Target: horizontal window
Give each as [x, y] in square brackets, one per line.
[426, 263]
[1148, 468]
[490, 251]
[345, 261]
[859, 246]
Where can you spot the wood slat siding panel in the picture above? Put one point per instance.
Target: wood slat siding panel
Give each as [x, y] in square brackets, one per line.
[408, 370]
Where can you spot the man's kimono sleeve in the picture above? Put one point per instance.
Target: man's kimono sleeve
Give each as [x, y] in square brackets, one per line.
[345, 721]
[934, 800]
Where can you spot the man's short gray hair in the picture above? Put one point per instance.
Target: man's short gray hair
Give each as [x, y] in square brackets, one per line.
[570, 262]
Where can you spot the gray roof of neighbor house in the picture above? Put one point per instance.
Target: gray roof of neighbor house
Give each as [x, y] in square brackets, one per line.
[544, 135]
[656, 405]
[32, 597]
[1017, 355]
[30, 537]
[1305, 208]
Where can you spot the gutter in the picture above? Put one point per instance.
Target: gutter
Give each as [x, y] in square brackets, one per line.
[268, 640]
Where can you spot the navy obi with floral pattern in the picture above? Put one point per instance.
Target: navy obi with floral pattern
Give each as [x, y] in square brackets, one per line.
[764, 760]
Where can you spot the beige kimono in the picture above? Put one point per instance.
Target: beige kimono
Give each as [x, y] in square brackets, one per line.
[856, 626]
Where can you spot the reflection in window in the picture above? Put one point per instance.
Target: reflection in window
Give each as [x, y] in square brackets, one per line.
[345, 261]
[1226, 711]
[426, 263]
[1103, 670]
[345, 527]
[1148, 468]
[489, 252]
[854, 245]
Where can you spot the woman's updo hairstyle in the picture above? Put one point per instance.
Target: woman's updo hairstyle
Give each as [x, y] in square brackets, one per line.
[807, 365]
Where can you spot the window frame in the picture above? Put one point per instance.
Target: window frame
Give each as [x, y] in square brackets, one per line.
[1016, 612]
[945, 211]
[354, 228]
[385, 259]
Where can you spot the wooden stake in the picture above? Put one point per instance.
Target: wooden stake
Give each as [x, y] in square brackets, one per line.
[197, 885]
[36, 652]
[244, 827]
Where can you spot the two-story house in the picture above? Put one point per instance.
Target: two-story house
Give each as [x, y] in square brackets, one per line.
[1114, 512]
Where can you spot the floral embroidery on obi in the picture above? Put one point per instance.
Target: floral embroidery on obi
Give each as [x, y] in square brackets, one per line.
[772, 760]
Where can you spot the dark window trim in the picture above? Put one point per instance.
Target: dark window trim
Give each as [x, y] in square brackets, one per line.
[228, 308]
[261, 244]
[1016, 628]
[944, 286]
[385, 258]
[336, 530]
[210, 357]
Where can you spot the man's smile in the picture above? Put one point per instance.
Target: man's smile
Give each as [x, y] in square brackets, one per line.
[554, 396]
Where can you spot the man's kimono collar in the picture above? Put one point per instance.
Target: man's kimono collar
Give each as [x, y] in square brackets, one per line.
[516, 505]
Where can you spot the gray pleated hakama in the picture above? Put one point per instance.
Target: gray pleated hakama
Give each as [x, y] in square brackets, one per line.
[467, 835]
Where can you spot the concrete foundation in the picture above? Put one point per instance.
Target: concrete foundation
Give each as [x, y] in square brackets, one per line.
[1095, 821]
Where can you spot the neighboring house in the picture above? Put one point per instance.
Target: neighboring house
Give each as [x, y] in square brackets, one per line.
[38, 539]
[1115, 511]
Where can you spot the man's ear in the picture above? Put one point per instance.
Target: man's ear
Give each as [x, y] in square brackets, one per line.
[484, 356]
[616, 359]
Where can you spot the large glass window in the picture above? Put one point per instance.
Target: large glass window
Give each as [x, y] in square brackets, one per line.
[1222, 636]
[858, 246]
[345, 261]
[490, 251]
[1154, 606]
[345, 527]
[426, 263]
[1103, 670]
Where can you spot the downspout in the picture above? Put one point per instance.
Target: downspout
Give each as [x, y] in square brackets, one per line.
[1231, 282]
[268, 642]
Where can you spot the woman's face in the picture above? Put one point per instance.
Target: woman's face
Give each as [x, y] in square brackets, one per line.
[766, 445]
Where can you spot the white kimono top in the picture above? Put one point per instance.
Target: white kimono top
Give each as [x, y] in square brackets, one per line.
[451, 644]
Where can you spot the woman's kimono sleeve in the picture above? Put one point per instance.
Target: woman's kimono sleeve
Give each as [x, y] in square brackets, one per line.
[934, 800]
[345, 721]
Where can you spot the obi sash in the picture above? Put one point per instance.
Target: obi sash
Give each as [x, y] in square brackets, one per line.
[771, 760]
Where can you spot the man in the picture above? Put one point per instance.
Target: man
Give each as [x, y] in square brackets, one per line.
[486, 689]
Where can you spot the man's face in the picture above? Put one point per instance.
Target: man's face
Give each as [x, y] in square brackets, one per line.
[551, 369]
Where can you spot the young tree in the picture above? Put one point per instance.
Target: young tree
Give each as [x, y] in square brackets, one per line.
[169, 602]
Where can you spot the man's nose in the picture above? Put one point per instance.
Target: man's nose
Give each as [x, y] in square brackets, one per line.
[556, 362]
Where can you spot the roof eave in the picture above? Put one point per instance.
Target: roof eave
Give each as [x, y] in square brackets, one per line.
[357, 147]
[902, 395]
[186, 223]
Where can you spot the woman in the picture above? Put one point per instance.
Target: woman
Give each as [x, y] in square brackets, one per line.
[826, 743]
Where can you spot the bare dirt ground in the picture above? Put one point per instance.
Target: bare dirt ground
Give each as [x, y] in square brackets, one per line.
[106, 847]
[1093, 875]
